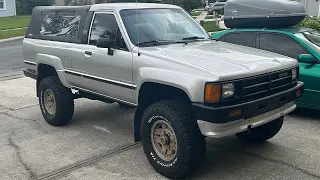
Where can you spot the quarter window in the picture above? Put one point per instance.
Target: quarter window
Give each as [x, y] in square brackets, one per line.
[106, 25]
[281, 44]
[244, 39]
[60, 25]
[2, 4]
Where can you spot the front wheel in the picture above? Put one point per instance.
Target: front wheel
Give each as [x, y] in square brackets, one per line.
[171, 139]
[56, 101]
[262, 133]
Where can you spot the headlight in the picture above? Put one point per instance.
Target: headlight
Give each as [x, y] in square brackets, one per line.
[294, 74]
[227, 90]
[215, 92]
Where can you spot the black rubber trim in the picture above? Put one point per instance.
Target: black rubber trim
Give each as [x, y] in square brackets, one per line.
[72, 73]
[248, 109]
[101, 80]
[30, 73]
[109, 82]
[29, 63]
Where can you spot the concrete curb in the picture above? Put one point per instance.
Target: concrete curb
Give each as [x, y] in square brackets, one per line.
[11, 39]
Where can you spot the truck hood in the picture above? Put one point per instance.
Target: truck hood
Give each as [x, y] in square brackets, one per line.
[229, 61]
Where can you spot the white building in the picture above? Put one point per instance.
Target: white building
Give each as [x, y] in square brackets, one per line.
[312, 6]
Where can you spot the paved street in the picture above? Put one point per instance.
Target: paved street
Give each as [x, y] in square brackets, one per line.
[98, 143]
[11, 61]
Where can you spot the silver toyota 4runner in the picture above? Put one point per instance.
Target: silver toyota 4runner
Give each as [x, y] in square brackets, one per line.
[158, 59]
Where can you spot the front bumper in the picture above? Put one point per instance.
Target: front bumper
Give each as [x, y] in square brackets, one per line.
[226, 129]
[221, 121]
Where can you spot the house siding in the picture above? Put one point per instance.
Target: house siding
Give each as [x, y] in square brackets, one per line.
[61, 2]
[9, 10]
[312, 6]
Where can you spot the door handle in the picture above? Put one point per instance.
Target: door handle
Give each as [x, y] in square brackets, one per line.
[88, 53]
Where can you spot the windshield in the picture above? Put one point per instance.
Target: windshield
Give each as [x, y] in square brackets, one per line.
[155, 25]
[312, 38]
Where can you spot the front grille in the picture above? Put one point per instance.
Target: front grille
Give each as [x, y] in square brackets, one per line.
[261, 86]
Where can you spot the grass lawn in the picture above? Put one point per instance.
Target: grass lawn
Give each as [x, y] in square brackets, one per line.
[211, 26]
[12, 33]
[196, 13]
[14, 22]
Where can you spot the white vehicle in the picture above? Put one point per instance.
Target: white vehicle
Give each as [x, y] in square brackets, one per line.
[157, 58]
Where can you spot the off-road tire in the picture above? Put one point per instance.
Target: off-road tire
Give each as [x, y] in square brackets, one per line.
[63, 99]
[262, 133]
[191, 143]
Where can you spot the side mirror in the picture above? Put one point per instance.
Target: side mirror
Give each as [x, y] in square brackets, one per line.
[306, 58]
[105, 42]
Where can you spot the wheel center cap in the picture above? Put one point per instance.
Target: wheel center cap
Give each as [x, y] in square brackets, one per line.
[164, 140]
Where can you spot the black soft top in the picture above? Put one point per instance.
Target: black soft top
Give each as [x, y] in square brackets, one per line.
[39, 12]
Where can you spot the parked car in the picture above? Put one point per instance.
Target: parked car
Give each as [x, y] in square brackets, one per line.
[183, 85]
[221, 23]
[217, 6]
[303, 44]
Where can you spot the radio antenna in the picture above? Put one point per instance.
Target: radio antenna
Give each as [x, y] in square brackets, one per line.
[137, 25]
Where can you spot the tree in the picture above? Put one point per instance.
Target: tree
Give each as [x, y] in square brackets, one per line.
[26, 6]
[77, 2]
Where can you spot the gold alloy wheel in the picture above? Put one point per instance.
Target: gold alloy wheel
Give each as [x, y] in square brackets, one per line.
[164, 140]
[49, 102]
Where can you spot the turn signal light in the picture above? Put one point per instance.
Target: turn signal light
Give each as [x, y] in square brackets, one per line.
[235, 112]
[212, 93]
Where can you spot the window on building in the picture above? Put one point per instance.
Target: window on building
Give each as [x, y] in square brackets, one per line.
[60, 25]
[2, 5]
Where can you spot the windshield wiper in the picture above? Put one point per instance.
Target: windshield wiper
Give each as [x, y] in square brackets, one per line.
[156, 42]
[192, 38]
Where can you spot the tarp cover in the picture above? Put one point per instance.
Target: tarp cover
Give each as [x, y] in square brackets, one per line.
[263, 13]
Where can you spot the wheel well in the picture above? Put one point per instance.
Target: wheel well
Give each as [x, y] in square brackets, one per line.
[150, 93]
[43, 72]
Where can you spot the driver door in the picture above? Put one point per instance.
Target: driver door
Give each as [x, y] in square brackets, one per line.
[105, 74]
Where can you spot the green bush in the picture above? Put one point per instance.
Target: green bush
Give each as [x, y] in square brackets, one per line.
[313, 23]
[26, 6]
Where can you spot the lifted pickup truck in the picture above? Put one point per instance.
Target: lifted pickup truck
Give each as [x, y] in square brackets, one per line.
[155, 57]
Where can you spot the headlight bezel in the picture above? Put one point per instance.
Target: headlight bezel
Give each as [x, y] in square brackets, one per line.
[215, 92]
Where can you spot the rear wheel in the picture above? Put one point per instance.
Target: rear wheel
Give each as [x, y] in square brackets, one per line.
[262, 133]
[56, 101]
[171, 139]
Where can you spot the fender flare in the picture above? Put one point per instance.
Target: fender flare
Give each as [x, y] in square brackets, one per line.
[191, 84]
[56, 63]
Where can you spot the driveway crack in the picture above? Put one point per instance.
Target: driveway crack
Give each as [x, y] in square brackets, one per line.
[18, 152]
[23, 119]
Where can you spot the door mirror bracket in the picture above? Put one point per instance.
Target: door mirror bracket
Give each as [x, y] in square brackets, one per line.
[105, 42]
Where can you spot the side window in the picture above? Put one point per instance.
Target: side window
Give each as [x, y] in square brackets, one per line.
[244, 39]
[60, 25]
[281, 44]
[106, 25]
